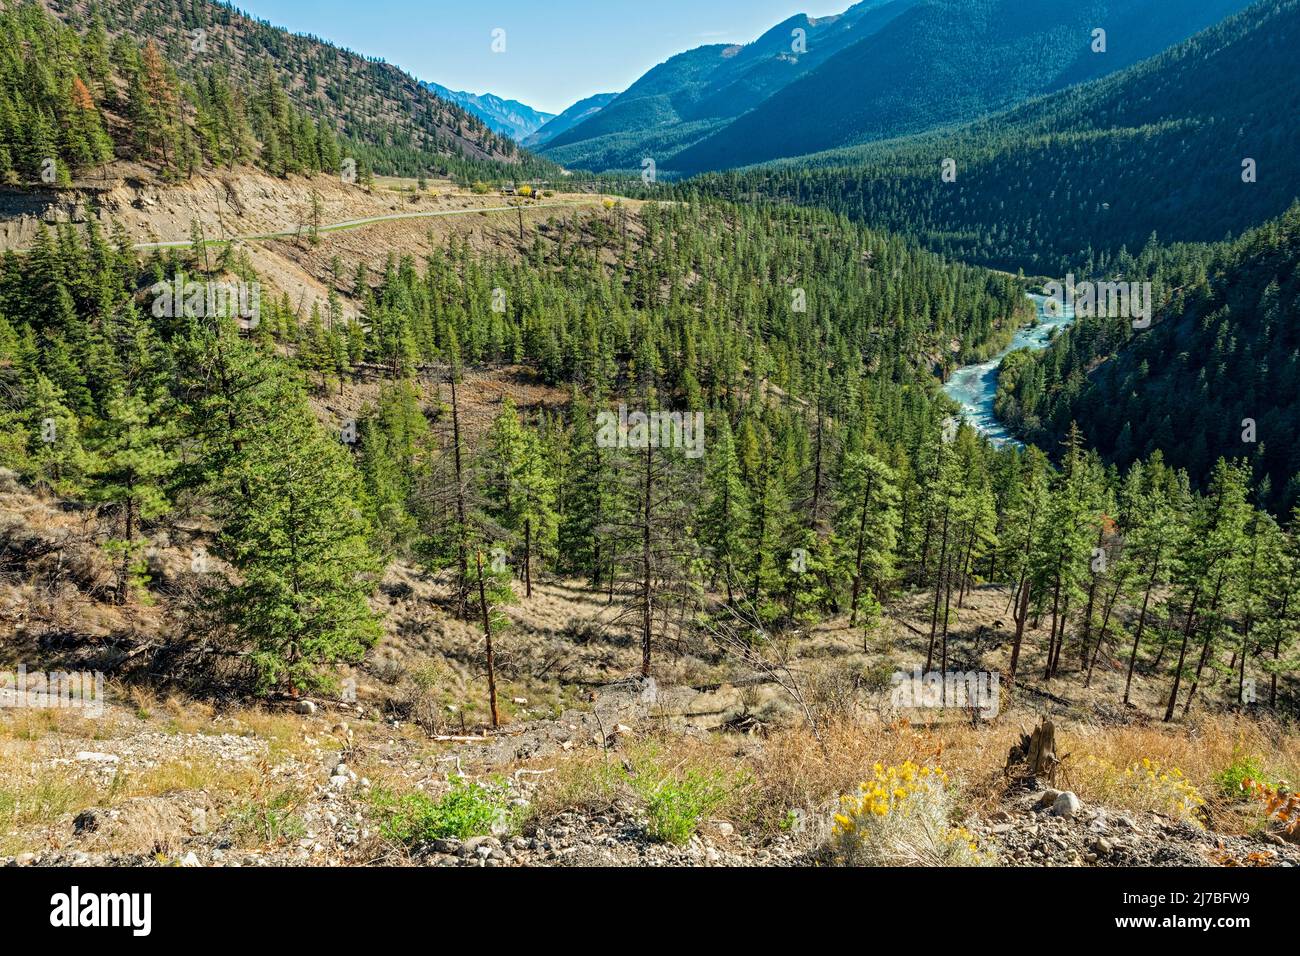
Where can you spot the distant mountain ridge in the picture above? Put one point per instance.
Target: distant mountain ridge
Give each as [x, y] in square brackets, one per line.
[577, 113]
[507, 117]
[880, 69]
[949, 61]
[698, 92]
[1066, 180]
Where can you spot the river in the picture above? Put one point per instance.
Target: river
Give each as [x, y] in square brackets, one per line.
[974, 387]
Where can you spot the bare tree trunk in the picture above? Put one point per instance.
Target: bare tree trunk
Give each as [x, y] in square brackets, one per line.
[1277, 649]
[1092, 594]
[1205, 647]
[487, 633]
[1182, 656]
[1105, 626]
[1051, 640]
[965, 569]
[528, 557]
[1021, 615]
[647, 611]
[1060, 640]
[462, 545]
[817, 466]
[938, 589]
[1142, 620]
[943, 658]
[862, 541]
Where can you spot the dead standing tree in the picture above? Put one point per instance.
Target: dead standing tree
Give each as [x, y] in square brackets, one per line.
[453, 511]
[651, 543]
[486, 611]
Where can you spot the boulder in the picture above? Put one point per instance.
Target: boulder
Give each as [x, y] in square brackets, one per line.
[1066, 805]
[1047, 799]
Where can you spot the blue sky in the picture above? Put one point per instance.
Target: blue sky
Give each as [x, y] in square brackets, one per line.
[557, 51]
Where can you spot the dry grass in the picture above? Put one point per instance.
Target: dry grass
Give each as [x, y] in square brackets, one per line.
[34, 794]
[791, 774]
[150, 803]
[39, 795]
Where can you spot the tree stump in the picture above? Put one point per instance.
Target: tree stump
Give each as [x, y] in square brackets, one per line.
[1036, 753]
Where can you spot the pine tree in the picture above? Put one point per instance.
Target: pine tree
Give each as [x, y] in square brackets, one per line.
[519, 489]
[588, 497]
[299, 541]
[1028, 515]
[57, 460]
[868, 520]
[131, 466]
[1216, 538]
[1151, 554]
[722, 518]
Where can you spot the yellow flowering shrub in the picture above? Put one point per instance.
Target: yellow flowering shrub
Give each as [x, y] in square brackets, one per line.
[900, 817]
[1148, 785]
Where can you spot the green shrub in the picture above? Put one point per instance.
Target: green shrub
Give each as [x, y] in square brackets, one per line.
[468, 810]
[271, 820]
[675, 803]
[1231, 778]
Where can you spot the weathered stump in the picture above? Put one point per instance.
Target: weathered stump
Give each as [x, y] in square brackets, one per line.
[1035, 755]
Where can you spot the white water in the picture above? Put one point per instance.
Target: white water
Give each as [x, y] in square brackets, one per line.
[975, 386]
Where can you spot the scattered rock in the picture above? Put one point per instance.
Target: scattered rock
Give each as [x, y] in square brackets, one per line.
[481, 846]
[305, 707]
[91, 756]
[1066, 804]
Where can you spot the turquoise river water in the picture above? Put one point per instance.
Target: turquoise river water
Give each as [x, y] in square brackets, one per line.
[975, 386]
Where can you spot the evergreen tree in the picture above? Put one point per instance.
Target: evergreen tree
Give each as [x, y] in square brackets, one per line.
[299, 541]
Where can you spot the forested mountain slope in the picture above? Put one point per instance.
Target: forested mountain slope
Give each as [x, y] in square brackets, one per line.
[154, 406]
[949, 61]
[698, 91]
[240, 87]
[1066, 180]
[825, 485]
[1218, 375]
